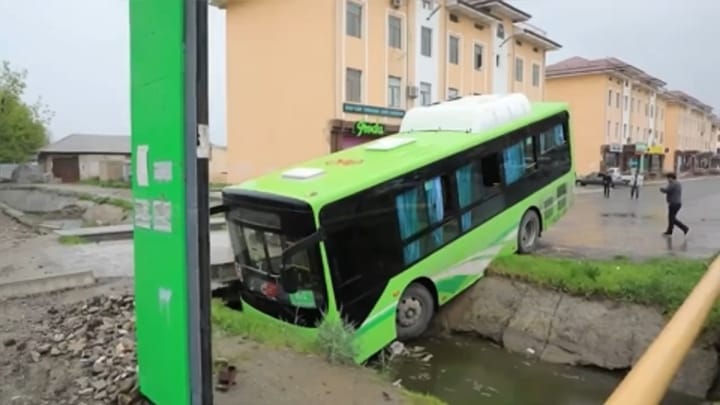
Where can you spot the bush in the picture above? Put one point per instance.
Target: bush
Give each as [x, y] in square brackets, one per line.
[336, 341]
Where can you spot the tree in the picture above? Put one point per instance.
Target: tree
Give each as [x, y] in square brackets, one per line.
[23, 126]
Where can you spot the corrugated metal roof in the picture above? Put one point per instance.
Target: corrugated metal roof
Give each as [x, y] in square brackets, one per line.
[85, 143]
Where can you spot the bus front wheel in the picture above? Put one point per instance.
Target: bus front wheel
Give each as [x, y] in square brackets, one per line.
[414, 312]
[529, 232]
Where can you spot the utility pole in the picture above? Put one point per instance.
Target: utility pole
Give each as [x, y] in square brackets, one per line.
[171, 148]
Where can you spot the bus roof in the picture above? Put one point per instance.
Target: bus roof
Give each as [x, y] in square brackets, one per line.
[348, 171]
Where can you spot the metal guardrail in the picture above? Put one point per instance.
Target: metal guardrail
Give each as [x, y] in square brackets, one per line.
[650, 378]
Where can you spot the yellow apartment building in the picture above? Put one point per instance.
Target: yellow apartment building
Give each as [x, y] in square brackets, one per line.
[307, 77]
[690, 127]
[715, 130]
[617, 113]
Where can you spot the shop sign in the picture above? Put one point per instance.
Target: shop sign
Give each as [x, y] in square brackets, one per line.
[641, 147]
[615, 147]
[656, 150]
[364, 128]
[372, 110]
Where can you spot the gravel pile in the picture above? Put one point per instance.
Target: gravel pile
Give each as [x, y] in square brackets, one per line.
[96, 341]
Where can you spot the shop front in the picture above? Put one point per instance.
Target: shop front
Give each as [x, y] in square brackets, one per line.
[655, 158]
[611, 155]
[346, 134]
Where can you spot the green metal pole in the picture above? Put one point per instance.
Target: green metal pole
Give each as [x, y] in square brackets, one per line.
[172, 329]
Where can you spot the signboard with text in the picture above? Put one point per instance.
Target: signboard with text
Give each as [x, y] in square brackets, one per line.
[364, 128]
[373, 110]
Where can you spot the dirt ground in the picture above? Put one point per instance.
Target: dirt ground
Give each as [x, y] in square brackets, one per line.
[265, 375]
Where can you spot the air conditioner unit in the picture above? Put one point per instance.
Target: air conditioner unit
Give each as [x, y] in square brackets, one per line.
[396, 3]
[412, 91]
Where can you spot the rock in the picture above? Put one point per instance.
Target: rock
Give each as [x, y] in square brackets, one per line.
[99, 384]
[103, 215]
[55, 351]
[43, 348]
[58, 337]
[9, 342]
[35, 356]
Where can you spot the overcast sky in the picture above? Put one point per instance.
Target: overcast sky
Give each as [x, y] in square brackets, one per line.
[77, 53]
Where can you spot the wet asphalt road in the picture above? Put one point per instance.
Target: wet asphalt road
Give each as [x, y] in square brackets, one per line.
[597, 227]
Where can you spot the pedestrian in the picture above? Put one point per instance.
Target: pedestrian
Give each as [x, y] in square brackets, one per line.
[635, 186]
[607, 183]
[673, 196]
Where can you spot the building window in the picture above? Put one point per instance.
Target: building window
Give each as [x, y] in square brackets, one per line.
[617, 99]
[652, 111]
[394, 84]
[632, 104]
[426, 41]
[647, 110]
[427, 4]
[425, 93]
[617, 130]
[500, 31]
[519, 69]
[478, 60]
[454, 50]
[625, 131]
[394, 32]
[354, 19]
[610, 98]
[536, 77]
[609, 125]
[353, 85]
[452, 93]
[625, 102]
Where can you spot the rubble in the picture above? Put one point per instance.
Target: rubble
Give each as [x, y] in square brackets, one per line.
[97, 338]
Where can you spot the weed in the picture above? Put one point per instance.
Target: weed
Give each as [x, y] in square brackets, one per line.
[71, 240]
[106, 183]
[336, 341]
[417, 398]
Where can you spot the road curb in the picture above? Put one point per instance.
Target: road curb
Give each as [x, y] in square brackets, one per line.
[16, 215]
[41, 285]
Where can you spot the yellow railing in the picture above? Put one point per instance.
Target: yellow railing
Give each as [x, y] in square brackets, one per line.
[650, 378]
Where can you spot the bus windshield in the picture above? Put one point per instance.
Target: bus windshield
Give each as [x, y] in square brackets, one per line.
[259, 239]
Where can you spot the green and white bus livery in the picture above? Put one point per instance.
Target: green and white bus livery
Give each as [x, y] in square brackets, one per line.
[384, 233]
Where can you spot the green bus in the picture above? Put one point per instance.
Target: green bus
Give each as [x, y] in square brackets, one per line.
[384, 233]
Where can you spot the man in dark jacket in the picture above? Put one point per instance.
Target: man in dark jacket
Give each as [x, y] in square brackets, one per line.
[673, 196]
[607, 183]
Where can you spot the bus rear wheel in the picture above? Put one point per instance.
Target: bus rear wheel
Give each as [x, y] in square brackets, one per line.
[529, 232]
[414, 312]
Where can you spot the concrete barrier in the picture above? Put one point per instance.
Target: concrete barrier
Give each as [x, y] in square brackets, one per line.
[117, 232]
[46, 284]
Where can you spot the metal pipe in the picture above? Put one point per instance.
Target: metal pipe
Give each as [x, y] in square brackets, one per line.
[651, 376]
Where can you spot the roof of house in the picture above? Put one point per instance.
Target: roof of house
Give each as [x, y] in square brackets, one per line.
[688, 99]
[86, 143]
[581, 66]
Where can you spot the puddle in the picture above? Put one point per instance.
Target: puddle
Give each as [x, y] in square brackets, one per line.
[627, 215]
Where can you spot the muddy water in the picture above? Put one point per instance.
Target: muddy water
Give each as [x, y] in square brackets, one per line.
[465, 370]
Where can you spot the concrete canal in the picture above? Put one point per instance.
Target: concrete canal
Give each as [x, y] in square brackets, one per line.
[470, 371]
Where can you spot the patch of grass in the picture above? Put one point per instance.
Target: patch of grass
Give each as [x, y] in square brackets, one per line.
[662, 283]
[335, 341]
[106, 183]
[237, 323]
[416, 398]
[71, 240]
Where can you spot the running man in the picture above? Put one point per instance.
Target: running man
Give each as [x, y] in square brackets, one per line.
[673, 196]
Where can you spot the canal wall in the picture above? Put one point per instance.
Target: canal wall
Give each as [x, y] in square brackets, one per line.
[559, 328]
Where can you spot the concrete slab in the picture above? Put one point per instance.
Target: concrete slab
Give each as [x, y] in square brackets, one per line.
[118, 232]
[41, 285]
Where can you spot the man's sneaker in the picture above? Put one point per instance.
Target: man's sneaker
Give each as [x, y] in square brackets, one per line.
[667, 235]
[687, 232]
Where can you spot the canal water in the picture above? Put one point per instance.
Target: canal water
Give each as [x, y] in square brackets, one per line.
[470, 371]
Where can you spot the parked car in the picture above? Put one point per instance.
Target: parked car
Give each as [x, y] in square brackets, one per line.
[591, 179]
